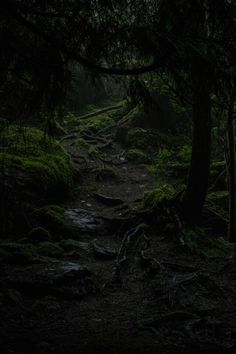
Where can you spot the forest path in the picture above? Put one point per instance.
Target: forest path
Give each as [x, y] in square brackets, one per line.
[158, 298]
[117, 287]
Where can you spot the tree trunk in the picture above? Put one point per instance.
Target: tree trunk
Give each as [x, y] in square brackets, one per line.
[197, 184]
[231, 172]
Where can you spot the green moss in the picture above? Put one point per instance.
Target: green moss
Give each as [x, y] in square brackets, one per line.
[200, 243]
[178, 169]
[50, 249]
[52, 218]
[158, 196]
[185, 153]
[140, 138]
[92, 151]
[96, 123]
[137, 155]
[219, 198]
[32, 157]
[218, 166]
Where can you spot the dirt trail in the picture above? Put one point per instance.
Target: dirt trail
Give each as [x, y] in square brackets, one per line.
[159, 298]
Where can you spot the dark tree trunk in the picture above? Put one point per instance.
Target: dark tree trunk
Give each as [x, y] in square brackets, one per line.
[197, 184]
[231, 165]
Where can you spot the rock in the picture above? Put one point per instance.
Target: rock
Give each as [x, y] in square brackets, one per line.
[108, 200]
[106, 174]
[103, 252]
[85, 221]
[66, 279]
[72, 245]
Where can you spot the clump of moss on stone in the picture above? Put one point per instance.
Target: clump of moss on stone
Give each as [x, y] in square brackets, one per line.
[179, 169]
[158, 196]
[96, 123]
[137, 155]
[52, 218]
[31, 159]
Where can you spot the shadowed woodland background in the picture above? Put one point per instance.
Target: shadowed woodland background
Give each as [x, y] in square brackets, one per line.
[117, 176]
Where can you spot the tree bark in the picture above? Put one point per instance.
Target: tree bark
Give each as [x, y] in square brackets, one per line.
[197, 184]
[231, 166]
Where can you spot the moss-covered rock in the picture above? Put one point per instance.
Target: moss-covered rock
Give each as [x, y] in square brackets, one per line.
[137, 155]
[52, 218]
[50, 249]
[179, 169]
[34, 161]
[96, 123]
[152, 199]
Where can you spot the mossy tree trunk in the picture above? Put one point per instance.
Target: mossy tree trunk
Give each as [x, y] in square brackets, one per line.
[197, 184]
[231, 165]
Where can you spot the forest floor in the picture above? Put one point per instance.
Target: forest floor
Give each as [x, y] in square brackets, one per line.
[117, 288]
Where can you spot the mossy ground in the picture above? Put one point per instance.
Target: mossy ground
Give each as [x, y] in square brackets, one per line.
[96, 123]
[32, 157]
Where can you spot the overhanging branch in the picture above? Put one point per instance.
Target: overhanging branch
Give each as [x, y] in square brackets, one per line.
[77, 57]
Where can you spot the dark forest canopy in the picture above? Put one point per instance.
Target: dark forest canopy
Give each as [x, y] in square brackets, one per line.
[39, 38]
